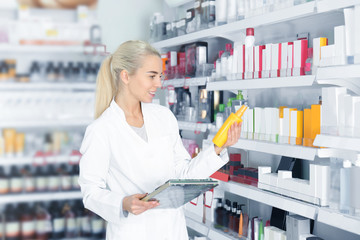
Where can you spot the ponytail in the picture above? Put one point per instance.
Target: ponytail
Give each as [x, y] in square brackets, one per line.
[105, 88]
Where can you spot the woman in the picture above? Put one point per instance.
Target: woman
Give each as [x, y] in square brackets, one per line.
[134, 146]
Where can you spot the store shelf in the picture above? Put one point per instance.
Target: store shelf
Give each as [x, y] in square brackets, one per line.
[343, 76]
[49, 49]
[57, 159]
[337, 142]
[33, 197]
[272, 199]
[190, 126]
[296, 151]
[339, 220]
[282, 15]
[331, 5]
[186, 82]
[45, 123]
[301, 81]
[47, 86]
[192, 221]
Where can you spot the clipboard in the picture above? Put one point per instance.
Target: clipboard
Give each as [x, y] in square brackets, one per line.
[176, 192]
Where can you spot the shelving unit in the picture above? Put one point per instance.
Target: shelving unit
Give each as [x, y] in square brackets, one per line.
[47, 86]
[301, 81]
[186, 82]
[37, 160]
[8, 48]
[338, 142]
[46, 123]
[33, 197]
[296, 151]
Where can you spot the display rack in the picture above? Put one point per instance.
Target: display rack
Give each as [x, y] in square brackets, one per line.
[57, 159]
[186, 82]
[281, 82]
[338, 142]
[296, 151]
[45, 123]
[33, 197]
[55, 86]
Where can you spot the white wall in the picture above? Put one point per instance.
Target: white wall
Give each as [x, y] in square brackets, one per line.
[123, 20]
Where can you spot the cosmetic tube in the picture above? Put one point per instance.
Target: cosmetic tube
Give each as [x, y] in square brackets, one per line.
[9, 136]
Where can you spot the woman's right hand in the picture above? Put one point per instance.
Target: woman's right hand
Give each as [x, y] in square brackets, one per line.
[134, 205]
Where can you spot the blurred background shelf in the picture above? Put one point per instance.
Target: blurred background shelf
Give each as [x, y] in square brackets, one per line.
[45, 123]
[186, 82]
[58, 159]
[33, 197]
[281, 82]
[339, 220]
[8, 48]
[47, 86]
[196, 127]
[272, 199]
[337, 142]
[296, 151]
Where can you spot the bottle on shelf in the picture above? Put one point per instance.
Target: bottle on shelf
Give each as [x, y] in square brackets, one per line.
[58, 220]
[75, 177]
[212, 13]
[66, 178]
[309, 62]
[224, 60]
[239, 220]
[227, 215]
[70, 221]
[220, 116]
[220, 212]
[240, 6]
[27, 222]
[97, 226]
[41, 179]
[29, 179]
[16, 180]
[4, 182]
[221, 12]
[43, 225]
[218, 65]
[232, 217]
[12, 223]
[355, 191]
[231, 11]
[53, 179]
[345, 184]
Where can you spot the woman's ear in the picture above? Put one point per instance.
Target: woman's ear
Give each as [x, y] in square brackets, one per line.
[124, 76]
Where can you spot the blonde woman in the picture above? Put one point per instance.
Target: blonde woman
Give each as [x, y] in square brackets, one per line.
[134, 146]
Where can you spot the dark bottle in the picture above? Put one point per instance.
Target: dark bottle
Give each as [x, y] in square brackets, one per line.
[27, 221]
[16, 180]
[50, 72]
[43, 222]
[78, 209]
[41, 179]
[232, 216]
[4, 182]
[97, 226]
[82, 72]
[75, 177]
[226, 216]
[86, 223]
[35, 72]
[48, 143]
[219, 214]
[70, 221]
[58, 220]
[29, 179]
[66, 178]
[12, 223]
[53, 179]
[60, 72]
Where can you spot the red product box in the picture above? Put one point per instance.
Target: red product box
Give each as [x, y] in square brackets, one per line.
[220, 176]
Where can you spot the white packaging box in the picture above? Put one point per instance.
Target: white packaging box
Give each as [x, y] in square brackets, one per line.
[283, 176]
[290, 54]
[341, 113]
[235, 64]
[316, 53]
[244, 125]
[350, 124]
[263, 174]
[268, 58]
[286, 125]
[300, 53]
[275, 124]
[258, 112]
[250, 123]
[249, 63]
[349, 31]
[258, 61]
[340, 45]
[284, 59]
[329, 109]
[327, 55]
[295, 226]
[279, 234]
[275, 59]
[322, 184]
[268, 123]
[293, 126]
[238, 64]
[357, 33]
[267, 232]
[264, 73]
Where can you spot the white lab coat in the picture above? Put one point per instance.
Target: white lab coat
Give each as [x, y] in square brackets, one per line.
[116, 162]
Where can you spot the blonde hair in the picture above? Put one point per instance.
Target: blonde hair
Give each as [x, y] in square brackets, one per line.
[127, 57]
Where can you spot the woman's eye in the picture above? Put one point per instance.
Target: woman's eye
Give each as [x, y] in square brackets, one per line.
[152, 77]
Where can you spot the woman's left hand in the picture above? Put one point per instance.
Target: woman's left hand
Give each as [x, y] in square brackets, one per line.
[232, 138]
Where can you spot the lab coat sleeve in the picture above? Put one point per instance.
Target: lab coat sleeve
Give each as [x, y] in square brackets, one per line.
[94, 166]
[202, 166]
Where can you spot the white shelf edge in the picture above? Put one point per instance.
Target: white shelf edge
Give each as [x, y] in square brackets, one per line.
[338, 220]
[9, 48]
[45, 123]
[337, 142]
[47, 86]
[338, 72]
[331, 5]
[282, 15]
[32, 197]
[183, 125]
[301, 81]
[181, 82]
[297, 151]
[272, 199]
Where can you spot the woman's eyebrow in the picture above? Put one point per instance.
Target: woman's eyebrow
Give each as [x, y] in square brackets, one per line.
[153, 72]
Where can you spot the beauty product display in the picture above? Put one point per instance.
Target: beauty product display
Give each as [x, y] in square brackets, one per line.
[53, 220]
[42, 106]
[17, 144]
[205, 14]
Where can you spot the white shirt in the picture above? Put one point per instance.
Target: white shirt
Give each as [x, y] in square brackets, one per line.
[117, 162]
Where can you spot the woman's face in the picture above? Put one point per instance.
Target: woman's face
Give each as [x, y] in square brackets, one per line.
[147, 79]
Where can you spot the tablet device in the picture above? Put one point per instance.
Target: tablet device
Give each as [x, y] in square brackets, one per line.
[177, 192]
